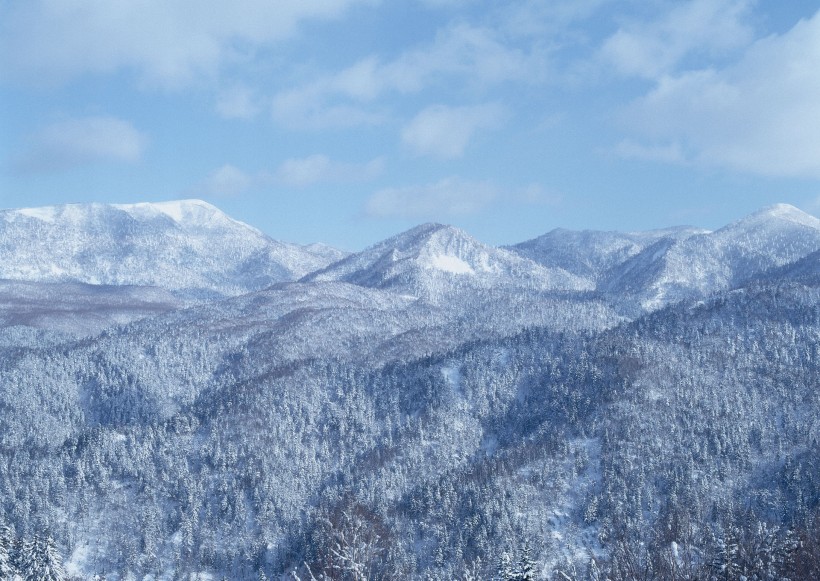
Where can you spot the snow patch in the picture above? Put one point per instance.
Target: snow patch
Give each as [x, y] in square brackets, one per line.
[449, 263]
[452, 375]
[46, 214]
[489, 444]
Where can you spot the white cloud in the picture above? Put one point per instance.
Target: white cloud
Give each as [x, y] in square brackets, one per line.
[309, 108]
[760, 115]
[703, 27]
[167, 42]
[227, 181]
[239, 102]
[474, 55]
[449, 197]
[666, 153]
[81, 141]
[536, 195]
[445, 132]
[303, 172]
[547, 20]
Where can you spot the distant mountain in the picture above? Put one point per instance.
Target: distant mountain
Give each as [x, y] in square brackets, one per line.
[185, 246]
[675, 269]
[589, 253]
[78, 309]
[432, 260]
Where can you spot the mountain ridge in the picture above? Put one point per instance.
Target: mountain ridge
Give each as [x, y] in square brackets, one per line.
[187, 246]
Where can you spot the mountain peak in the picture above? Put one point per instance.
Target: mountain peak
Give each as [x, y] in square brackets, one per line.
[779, 212]
[188, 246]
[186, 213]
[190, 213]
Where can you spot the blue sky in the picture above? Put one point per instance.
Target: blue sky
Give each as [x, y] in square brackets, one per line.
[346, 121]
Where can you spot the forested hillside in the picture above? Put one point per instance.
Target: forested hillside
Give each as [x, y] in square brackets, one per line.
[431, 408]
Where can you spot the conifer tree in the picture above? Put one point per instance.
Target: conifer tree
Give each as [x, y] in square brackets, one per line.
[7, 569]
[526, 566]
[505, 570]
[40, 560]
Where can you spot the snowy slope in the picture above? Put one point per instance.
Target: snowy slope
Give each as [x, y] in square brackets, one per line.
[590, 253]
[433, 260]
[672, 269]
[187, 246]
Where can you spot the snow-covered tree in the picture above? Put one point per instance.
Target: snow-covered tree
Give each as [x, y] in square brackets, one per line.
[526, 566]
[40, 560]
[7, 569]
[505, 570]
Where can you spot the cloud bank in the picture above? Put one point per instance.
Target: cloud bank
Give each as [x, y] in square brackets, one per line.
[167, 43]
[760, 115]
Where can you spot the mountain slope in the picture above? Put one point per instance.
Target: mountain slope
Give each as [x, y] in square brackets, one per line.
[431, 261]
[673, 269]
[78, 309]
[186, 246]
[589, 253]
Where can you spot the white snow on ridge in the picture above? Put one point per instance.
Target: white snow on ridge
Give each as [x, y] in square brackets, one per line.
[186, 245]
[194, 213]
[46, 214]
[449, 263]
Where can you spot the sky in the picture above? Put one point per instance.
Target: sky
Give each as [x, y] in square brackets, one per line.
[347, 121]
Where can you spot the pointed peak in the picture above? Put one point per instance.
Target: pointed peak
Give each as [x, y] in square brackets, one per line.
[421, 235]
[781, 213]
[425, 229]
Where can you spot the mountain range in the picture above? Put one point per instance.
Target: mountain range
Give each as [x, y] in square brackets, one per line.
[182, 396]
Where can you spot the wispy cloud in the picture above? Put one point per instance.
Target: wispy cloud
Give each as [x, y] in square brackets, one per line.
[653, 48]
[167, 43]
[238, 102]
[760, 115]
[227, 181]
[230, 180]
[475, 55]
[451, 196]
[666, 153]
[303, 172]
[445, 132]
[74, 142]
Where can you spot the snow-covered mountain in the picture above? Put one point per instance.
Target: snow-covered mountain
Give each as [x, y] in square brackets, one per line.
[432, 260]
[425, 408]
[186, 246]
[674, 269]
[590, 253]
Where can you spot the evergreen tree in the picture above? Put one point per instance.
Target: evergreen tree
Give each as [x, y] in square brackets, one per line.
[7, 569]
[40, 560]
[526, 566]
[725, 564]
[505, 571]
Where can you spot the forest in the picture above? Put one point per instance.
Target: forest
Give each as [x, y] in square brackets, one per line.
[340, 427]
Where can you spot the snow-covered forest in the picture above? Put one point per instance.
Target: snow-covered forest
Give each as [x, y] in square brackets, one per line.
[193, 400]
